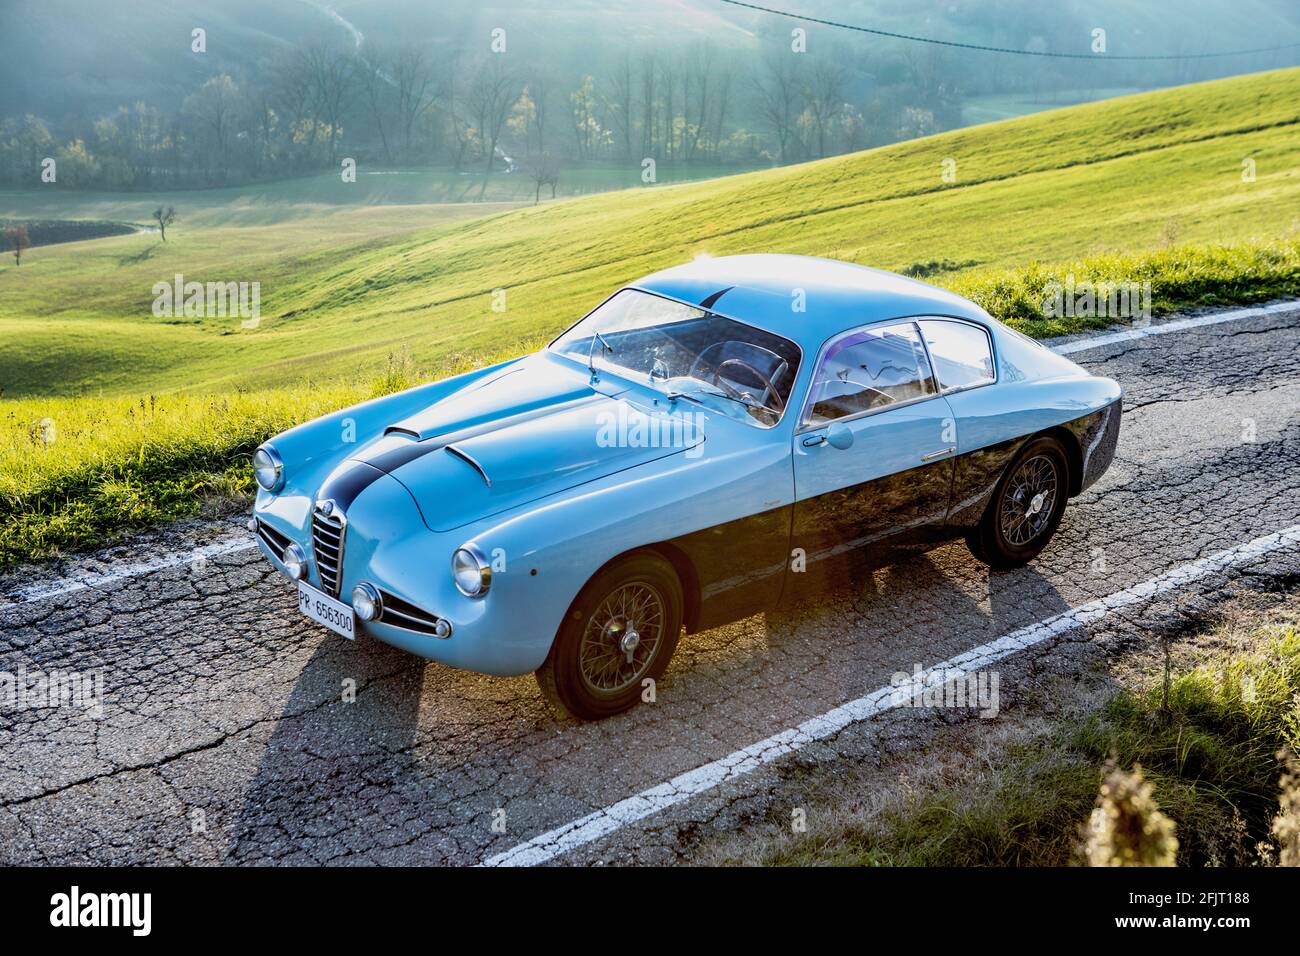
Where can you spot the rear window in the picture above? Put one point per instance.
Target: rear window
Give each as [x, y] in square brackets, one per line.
[961, 353]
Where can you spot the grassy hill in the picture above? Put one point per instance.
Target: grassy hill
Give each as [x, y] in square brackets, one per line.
[1119, 175]
[1148, 187]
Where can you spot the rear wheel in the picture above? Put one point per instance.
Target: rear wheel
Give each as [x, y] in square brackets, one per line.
[620, 632]
[1026, 507]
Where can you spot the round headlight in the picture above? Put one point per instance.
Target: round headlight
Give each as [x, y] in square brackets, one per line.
[366, 602]
[294, 560]
[471, 571]
[268, 468]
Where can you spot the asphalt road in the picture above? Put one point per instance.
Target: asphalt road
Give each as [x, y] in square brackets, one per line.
[226, 736]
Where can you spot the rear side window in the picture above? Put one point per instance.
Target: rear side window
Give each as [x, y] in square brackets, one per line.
[961, 353]
[870, 370]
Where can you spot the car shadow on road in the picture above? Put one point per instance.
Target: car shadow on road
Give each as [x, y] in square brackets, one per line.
[336, 756]
[919, 611]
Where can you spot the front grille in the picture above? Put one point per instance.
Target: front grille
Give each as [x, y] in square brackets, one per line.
[405, 615]
[327, 534]
[274, 540]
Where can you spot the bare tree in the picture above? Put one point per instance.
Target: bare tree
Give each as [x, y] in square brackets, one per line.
[668, 116]
[585, 125]
[491, 96]
[332, 71]
[781, 99]
[461, 128]
[722, 105]
[540, 89]
[544, 170]
[17, 239]
[292, 96]
[214, 107]
[825, 96]
[698, 87]
[647, 105]
[375, 83]
[620, 103]
[417, 90]
[164, 218]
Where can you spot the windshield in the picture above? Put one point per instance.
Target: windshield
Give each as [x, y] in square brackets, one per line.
[684, 351]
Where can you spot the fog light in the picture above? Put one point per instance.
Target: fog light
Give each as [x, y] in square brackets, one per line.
[442, 629]
[294, 560]
[366, 602]
[252, 525]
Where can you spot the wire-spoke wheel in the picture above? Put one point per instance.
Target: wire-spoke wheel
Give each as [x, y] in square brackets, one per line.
[621, 638]
[1028, 500]
[1026, 507]
[619, 634]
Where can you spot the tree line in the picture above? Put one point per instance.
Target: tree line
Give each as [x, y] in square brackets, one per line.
[417, 105]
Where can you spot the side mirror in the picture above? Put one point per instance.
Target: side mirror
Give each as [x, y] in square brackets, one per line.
[839, 435]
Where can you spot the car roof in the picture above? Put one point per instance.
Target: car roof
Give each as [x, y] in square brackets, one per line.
[762, 290]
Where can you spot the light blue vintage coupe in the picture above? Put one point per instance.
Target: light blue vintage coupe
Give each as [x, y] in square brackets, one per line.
[710, 441]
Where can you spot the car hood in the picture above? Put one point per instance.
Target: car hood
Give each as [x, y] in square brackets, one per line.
[534, 429]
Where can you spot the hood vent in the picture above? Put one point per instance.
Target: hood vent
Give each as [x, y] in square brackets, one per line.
[468, 458]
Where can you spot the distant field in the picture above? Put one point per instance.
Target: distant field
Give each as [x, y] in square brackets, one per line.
[339, 294]
[990, 109]
[310, 197]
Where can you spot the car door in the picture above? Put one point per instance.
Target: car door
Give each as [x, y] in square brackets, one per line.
[872, 454]
[963, 360]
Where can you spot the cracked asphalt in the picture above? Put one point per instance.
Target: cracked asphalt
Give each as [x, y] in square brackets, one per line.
[233, 731]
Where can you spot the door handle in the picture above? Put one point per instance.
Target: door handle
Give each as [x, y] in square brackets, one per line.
[939, 454]
[812, 441]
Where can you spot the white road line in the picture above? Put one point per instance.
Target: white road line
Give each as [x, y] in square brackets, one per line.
[68, 585]
[1178, 325]
[624, 813]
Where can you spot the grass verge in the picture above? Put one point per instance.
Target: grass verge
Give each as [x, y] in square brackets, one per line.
[1209, 748]
[84, 472]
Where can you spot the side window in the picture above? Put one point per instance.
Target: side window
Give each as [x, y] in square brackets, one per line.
[961, 353]
[870, 370]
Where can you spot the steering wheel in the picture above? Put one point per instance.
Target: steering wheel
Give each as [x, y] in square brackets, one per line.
[769, 389]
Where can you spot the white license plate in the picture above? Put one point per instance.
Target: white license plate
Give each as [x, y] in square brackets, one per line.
[323, 609]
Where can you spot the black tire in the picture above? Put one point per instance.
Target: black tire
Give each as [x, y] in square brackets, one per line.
[1012, 531]
[587, 675]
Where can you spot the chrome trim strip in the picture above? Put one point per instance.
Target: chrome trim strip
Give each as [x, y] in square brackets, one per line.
[940, 453]
[335, 523]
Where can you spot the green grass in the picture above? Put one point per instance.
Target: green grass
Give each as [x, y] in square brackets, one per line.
[76, 473]
[1145, 188]
[1210, 754]
[1103, 178]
